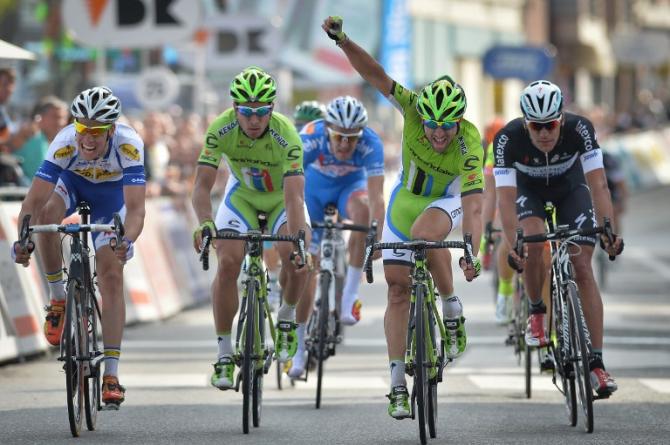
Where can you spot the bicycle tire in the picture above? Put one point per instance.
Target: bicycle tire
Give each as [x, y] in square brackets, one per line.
[420, 377]
[324, 310]
[562, 356]
[248, 362]
[432, 382]
[73, 368]
[92, 383]
[257, 398]
[581, 356]
[279, 366]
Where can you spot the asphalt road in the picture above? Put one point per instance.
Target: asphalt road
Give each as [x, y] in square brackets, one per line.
[165, 367]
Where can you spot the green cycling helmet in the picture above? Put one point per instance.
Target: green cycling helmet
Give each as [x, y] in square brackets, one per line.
[442, 100]
[253, 85]
[307, 111]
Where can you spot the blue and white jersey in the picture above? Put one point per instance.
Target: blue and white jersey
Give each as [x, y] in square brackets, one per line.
[123, 163]
[367, 159]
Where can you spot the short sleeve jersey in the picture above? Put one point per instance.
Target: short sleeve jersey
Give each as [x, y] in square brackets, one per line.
[123, 161]
[260, 165]
[366, 160]
[426, 172]
[517, 159]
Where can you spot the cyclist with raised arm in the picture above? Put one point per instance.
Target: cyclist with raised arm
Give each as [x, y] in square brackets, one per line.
[537, 161]
[97, 160]
[264, 153]
[440, 184]
[344, 165]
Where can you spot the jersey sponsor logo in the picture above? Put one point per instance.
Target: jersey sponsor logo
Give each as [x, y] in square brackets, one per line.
[130, 151]
[211, 141]
[397, 253]
[208, 155]
[521, 201]
[234, 223]
[277, 137]
[462, 145]
[309, 128]
[430, 165]
[590, 155]
[293, 154]
[253, 161]
[500, 149]
[472, 183]
[64, 152]
[454, 213]
[501, 171]
[138, 180]
[546, 171]
[580, 220]
[96, 173]
[472, 176]
[583, 130]
[226, 128]
[471, 163]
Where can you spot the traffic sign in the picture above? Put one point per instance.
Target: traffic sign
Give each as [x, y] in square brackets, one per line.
[156, 88]
[521, 62]
[131, 23]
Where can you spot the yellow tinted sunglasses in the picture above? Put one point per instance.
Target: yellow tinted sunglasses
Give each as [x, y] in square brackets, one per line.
[93, 131]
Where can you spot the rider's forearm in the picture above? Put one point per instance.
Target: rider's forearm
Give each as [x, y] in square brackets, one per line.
[134, 223]
[377, 212]
[202, 204]
[508, 216]
[472, 219]
[489, 211]
[295, 214]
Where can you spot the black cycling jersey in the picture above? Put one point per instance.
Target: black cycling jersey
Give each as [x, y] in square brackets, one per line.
[517, 159]
[557, 176]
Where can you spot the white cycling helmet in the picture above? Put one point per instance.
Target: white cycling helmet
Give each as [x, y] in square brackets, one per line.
[98, 104]
[541, 101]
[346, 112]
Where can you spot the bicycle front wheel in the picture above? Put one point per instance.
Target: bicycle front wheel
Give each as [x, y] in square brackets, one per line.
[581, 354]
[92, 382]
[248, 367]
[433, 379]
[324, 311]
[74, 375]
[421, 385]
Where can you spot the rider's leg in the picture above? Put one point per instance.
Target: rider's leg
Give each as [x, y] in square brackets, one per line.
[505, 283]
[396, 318]
[48, 245]
[534, 278]
[271, 259]
[358, 211]
[225, 298]
[303, 312]
[110, 282]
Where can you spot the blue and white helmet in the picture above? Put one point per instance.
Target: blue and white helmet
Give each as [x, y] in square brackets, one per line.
[541, 101]
[346, 112]
[98, 104]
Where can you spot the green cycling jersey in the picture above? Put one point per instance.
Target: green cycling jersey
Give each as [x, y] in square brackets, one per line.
[259, 165]
[426, 172]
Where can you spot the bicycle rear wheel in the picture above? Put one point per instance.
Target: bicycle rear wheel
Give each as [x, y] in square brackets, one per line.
[74, 375]
[248, 361]
[581, 356]
[420, 375]
[324, 310]
[92, 382]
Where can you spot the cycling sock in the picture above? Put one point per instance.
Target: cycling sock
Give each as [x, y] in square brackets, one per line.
[597, 360]
[225, 345]
[397, 373]
[451, 307]
[301, 338]
[112, 355]
[351, 284]
[537, 307]
[505, 287]
[56, 285]
[286, 312]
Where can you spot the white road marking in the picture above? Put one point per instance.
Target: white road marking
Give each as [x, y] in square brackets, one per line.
[155, 380]
[657, 385]
[511, 383]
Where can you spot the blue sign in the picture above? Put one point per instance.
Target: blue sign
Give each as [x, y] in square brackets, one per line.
[521, 62]
[396, 51]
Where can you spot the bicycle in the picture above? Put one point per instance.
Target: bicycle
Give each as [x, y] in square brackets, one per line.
[573, 350]
[253, 355]
[323, 327]
[424, 361]
[79, 347]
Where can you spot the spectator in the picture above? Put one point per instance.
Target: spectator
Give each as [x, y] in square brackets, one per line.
[49, 117]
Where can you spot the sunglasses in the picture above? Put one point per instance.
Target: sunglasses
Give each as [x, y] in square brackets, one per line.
[435, 124]
[338, 137]
[258, 111]
[539, 126]
[93, 131]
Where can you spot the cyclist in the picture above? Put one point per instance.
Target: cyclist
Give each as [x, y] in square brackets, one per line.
[264, 154]
[536, 161]
[307, 111]
[97, 160]
[344, 164]
[440, 184]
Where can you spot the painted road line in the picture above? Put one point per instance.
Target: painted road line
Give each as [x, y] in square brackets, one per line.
[658, 385]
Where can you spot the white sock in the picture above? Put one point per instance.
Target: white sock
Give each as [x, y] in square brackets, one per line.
[225, 345]
[350, 291]
[56, 285]
[286, 312]
[397, 373]
[451, 307]
[112, 354]
[301, 338]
